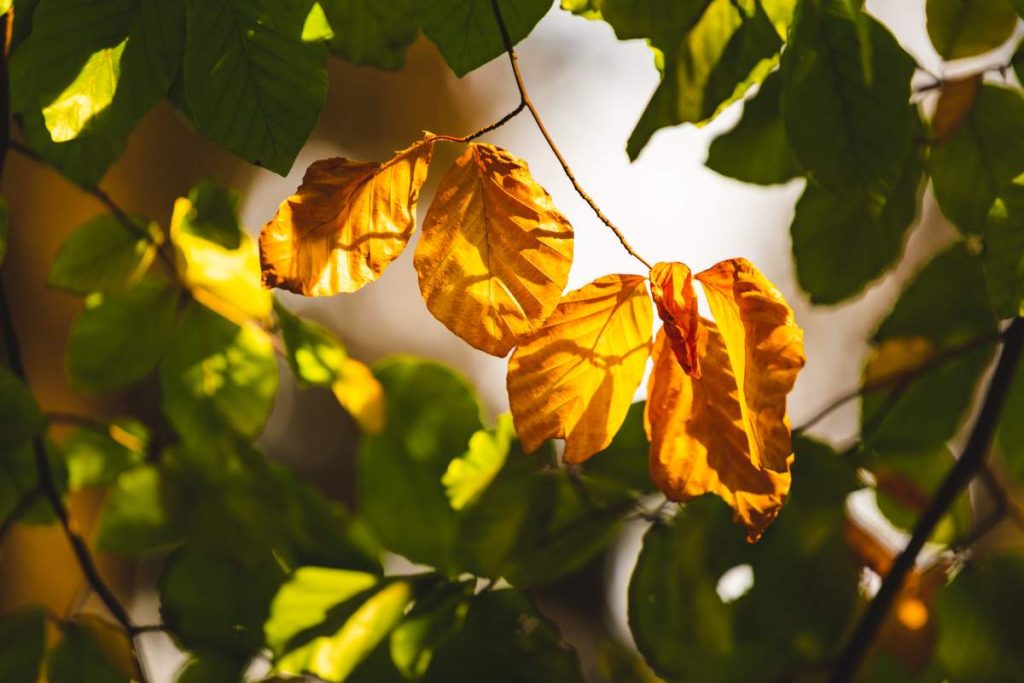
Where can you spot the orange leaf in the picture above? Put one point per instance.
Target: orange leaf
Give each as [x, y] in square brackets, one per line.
[672, 290]
[345, 224]
[495, 253]
[359, 392]
[698, 442]
[954, 106]
[765, 349]
[575, 377]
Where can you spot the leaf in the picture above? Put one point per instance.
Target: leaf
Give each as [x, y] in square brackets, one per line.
[314, 354]
[624, 463]
[116, 60]
[210, 667]
[359, 393]
[105, 256]
[250, 58]
[345, 224]
[765, 351]
[965, 28]
[698, 442]
[466, 31]
[432, 413]
[956, 101]
[371, 32]
[96, 458]
[922, 416]
[495, 253]
[575, 377]
[756, 150]
[840, 247]
[981, 159]
[365, 622]
[23, 638]
[225, 279]
[217, 374]
[91, 650]
[851, 134]
[1003, 253]
[1011, 428]
[505, 639]
[432, 622]
[470, 474]
[708, 63]
[20, 421]
[212, 214]
[672, 291]
[139, 515]
[119, 338]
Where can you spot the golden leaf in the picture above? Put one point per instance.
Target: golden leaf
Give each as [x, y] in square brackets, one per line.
[575, 377]
[698, 441]
[766, 351]
[672, 290]
[359, 393]
[345, 224]
[954, 106]
[495, 253]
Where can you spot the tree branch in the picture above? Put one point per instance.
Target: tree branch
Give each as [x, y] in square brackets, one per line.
[970, 463]
[525, 101]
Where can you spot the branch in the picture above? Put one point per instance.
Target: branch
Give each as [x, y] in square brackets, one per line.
[970, 463]
[525, 101]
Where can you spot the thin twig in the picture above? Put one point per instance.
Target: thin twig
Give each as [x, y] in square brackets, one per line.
[899, 378]
[525, 100]
[486, 129]
[970, 463]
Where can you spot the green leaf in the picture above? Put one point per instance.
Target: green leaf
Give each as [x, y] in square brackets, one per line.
[1018, 57]
[839, 247]
[923, 415]
[104, 255]
[756, 150]
[624, 464]
[139, 515]
[314, 354]
[211, 667]
[431, 623]
[466, 31]
[850, 133]
[1003, 254]
[432, 413]
[119, 338]
[327, 621]
[91, 651]
[979, 639]
[965, 28]
[217, 375]
[707, 65]
[248, 59]
[215, 602]
[22, 643]
[20, 419]
[5, 219]
[1011, 427]
[116, 60]
[504, 639]
[213, 215]
[371, 32]
[981, 159]
[96, 458]
[468, 475]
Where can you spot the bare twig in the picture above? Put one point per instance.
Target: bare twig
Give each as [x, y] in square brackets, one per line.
[488, 128]
[525, 101]
[970, 463]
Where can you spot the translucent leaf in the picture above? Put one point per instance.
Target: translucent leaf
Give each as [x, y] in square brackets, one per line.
[466, 31]
[575, 377]
[495, 253]
[87, 96]
[23, 638]
[139, 516]
[432, 622]
[965, 28]
[96, 458]
[676, 301]
[359, 393]
[105, 256]
[119, 338]
[212, 215]
[249, 60]
[346, 223]
[314, 354]
[371, 32]
[469, 475]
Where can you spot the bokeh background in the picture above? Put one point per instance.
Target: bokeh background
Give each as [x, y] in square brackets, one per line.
[590, 89]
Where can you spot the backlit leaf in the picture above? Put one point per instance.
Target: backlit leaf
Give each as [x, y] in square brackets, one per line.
[251, 82]
[965, 28]
[1003, 255]
[698, 442]
[138, 515]
[495, 253]
[359, 393]
[765, 350]
[672, 291]
[314, 354]
[104, 255]
[345, 224]
[22, 644]
[466, 31]
[432, 622]
[213, 215]
[96, 458]
[371, 32]
[575, 377]
[850, 133]
[467, 476]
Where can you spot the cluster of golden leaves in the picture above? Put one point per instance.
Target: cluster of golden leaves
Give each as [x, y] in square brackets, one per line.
[493, 261]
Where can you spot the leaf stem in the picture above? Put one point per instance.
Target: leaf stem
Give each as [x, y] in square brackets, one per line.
[970, 464]
[525, 101]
